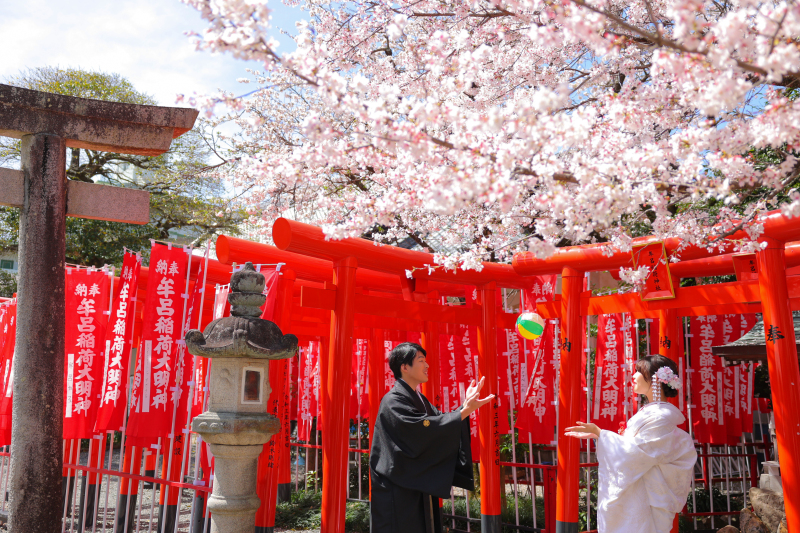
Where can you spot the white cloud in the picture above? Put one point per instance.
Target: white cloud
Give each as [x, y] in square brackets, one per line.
[143, 40]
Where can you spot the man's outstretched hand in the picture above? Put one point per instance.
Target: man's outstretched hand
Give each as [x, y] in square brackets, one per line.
[472, 402]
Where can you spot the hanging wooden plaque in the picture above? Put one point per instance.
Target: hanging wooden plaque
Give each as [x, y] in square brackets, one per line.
[658, 285]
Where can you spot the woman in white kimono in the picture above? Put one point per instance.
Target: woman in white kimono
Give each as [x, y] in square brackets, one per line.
[646, 472]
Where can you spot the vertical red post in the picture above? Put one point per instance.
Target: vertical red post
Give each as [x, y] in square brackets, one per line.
[336, 392]
[549, 476]
[569, 402]
[670, 340]
[488, 422]
[270, 459]
[285, 473]
[784, 373]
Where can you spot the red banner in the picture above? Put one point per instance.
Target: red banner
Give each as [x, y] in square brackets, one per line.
[118, 342]
[447, 373]
[630, 339]
[202, 364]
[221, 306]
[359, 394]
[9, 325]
[707, 384]
[733, 327]
[186, 367]
[150, 417]
[87, 293]
[610, 373]
[714, 390]
[536, 418]
[309, 388]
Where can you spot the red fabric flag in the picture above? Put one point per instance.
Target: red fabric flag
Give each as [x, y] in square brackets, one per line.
[390, 340]
[308, 389]
[7, 392]
[630, 341]
[733, 327]
[118, 342]
[538, 414]
[609, 381]
[294, 372]
[185, 363]
[746, 401]
[87, 308]
[448, 374]
[707, 384]
[221, 306]
[150, 416]
[359, 394]
[200, 385]
[536, 418]
[203, 364]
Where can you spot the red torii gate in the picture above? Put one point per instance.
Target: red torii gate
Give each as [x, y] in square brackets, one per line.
[778, 297]
[333, 308]
[330, 272]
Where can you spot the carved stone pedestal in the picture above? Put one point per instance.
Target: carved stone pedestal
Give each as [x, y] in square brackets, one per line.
[236, 440]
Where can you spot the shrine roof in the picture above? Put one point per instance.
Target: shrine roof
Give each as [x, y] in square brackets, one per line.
[752, 346]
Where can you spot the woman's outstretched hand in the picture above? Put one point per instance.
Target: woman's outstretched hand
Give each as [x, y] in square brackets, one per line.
[472, 402]
[584, 430]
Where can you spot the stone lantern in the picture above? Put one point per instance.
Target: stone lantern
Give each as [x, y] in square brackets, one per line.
[237, 425]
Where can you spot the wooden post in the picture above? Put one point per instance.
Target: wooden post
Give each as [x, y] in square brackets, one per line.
[569, 403]
[784, 374]
[37, 426]
[336, 391]
[488, 428]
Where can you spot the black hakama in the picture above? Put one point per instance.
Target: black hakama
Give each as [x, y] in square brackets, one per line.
[417, 455]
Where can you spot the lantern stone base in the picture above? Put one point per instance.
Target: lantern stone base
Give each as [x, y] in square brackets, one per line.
[235, 440]
[233, 503]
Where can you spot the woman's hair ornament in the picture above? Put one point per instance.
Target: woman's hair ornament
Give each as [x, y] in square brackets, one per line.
[668, 377]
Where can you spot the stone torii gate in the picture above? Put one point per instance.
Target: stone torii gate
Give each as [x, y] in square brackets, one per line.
[48, 124]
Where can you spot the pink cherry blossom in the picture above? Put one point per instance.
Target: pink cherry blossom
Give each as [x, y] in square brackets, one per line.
[499, 126]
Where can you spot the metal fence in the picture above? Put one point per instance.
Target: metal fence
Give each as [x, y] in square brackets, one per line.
[723, 476]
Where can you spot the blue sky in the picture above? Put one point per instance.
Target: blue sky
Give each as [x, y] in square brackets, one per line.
[143, 40]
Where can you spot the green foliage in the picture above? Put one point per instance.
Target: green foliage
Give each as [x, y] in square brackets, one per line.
[354, 479]
[99, 242]
[303, 511]
[8, 284]
[701, 497]
[356, 517]
[185, 192]
[761, 388]
[704, 503]
[593, 481]
[509, 516]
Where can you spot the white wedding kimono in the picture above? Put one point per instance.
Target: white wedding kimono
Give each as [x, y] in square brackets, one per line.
[645, 474]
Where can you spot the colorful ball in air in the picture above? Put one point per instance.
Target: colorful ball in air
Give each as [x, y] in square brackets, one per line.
[530, 326]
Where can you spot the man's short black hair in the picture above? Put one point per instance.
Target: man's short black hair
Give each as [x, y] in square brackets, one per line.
[403, 354]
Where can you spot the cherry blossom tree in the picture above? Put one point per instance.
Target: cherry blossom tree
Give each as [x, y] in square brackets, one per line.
[508, 125]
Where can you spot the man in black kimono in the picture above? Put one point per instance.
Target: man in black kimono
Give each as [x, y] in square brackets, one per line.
[417, 453]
